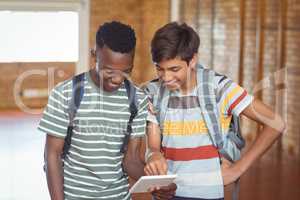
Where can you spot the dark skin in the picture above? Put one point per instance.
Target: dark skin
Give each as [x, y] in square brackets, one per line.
[113, 69]
[54, 172]
[165, 193]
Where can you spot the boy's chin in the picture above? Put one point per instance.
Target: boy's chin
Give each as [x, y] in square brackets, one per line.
[110, 88]
[172, 87]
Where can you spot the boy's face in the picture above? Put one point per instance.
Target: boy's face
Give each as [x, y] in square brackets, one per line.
[175, 73]
[113, 67]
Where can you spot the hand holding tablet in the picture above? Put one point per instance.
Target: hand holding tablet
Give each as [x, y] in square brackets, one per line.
[146, 182]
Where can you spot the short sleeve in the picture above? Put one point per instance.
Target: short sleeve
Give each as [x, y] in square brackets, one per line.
[55, 118]
[231, 97]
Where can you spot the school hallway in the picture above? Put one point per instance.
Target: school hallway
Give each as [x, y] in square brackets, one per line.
[255, 43]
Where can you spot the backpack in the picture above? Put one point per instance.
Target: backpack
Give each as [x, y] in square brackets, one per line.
[228, 145]
[77, 94]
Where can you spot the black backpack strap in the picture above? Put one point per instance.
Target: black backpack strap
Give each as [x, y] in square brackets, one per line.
[77, 94]
[133, 108]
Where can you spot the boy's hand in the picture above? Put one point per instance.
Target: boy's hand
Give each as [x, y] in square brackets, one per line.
[165, 193]
[156, 165]
[229, 172]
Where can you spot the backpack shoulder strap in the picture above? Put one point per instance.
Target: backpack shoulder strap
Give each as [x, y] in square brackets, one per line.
[235, 134]
[77, 94]
[133, 108]
[209, 108]
[133, 104]
[159, 95]
[161, 104]
[208, 104]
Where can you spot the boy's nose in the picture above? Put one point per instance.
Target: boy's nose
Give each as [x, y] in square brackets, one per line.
[117, 79]
[166, 77]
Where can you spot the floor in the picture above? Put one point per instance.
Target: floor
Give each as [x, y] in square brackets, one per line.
[21, 152]
[276, 176]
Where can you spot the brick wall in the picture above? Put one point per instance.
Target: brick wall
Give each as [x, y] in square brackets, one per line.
[292, 139]
[218, 24]
[249, 58]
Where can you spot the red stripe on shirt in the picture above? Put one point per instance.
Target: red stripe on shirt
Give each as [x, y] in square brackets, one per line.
[236, 102]
[187, 154]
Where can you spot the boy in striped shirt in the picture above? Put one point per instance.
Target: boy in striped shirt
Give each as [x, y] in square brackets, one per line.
[93, 167]
[186, 145]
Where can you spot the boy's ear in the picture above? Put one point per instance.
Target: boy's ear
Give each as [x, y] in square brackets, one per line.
[193, 61]
[93, 52]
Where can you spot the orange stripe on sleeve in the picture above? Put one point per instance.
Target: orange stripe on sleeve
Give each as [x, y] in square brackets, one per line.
[236, 102]
[229, 96]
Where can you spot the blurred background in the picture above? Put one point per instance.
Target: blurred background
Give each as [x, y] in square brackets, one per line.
[255, 42]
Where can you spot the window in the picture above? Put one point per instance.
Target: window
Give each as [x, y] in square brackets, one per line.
[39, 36]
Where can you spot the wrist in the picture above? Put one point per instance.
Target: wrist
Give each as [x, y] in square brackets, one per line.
[238, 168]
[150, 154]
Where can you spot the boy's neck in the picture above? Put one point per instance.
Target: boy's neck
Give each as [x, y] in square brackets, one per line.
[191, 83]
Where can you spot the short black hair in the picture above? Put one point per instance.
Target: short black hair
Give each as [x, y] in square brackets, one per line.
[116, 36]
[174, 40]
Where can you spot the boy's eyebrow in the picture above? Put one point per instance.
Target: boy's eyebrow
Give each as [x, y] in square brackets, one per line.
[174, 66]
[170, 67]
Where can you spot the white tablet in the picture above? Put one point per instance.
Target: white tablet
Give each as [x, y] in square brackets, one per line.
[146, 182]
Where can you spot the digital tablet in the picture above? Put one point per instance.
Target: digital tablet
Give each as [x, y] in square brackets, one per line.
[146, 182]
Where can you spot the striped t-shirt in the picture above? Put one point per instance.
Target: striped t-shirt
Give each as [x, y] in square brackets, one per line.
[92, 169]
[187, 145]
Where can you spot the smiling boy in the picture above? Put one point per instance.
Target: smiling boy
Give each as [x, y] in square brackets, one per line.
[182, 134]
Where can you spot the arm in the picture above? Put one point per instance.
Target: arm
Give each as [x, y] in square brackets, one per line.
[156, 163]
[132, 162]
[54, 171]
[272, 127]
